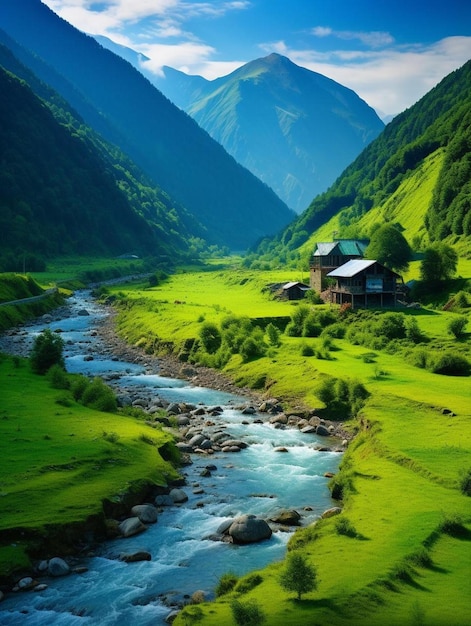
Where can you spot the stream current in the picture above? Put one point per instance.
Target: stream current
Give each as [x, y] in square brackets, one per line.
[258, 480]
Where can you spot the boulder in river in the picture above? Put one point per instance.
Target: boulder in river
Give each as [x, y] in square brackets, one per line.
[288, 517]
[249, 529]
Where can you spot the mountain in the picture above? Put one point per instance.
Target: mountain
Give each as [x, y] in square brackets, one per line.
[416, 174]
[235, 207]
[64, 190]
[293, 128]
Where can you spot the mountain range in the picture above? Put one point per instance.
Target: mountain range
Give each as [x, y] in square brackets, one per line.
[117, 101]
[294, 129]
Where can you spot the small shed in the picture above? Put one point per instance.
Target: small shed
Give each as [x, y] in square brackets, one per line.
[295, 290]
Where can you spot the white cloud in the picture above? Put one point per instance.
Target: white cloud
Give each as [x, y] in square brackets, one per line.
[389, 80]
[373, 39]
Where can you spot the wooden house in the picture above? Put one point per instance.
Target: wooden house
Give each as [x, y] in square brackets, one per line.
[364, 283]
[328, 256]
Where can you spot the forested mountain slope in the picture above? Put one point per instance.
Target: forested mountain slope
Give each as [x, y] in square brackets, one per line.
[115, 99]
[427, 147]
[63, 190]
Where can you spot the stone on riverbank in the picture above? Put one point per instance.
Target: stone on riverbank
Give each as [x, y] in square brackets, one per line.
[147, 513]
[131, 526]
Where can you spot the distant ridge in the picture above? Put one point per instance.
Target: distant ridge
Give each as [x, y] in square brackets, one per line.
[293, 128]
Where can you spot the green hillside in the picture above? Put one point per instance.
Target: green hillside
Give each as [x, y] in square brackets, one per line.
[64, 190]
[416, 174]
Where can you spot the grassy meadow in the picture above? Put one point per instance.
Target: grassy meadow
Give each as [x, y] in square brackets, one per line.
[402, 552]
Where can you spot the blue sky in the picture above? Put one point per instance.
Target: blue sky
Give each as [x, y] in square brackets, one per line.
[391, 52]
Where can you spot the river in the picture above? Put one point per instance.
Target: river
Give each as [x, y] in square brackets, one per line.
[258, 480]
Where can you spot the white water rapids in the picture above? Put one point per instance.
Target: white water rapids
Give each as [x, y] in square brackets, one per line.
[258, 480]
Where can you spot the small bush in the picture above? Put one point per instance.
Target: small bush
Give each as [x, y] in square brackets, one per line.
[336, 331]
[307, 350]
[248, 583]
[58, 377]
[450, 364]
[344, 526]
[78, 387]
[226, 583]
[457, 325]
[99, 396]
[247, 613]
[111, 437]
[273, 335]
[47, 351]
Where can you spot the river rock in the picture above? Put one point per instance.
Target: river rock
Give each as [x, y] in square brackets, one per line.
[279, 418]
[131, 526]
[184, 447]
[164, 500]
[40, 587]
[26, 583]
[134, 557]
[287, 517]
[178, 496]
[310, 429]
[145, 512]
[196, 440]
[322, 431]
[229, 443]
[249, 529]
[335, 510]
[173, 409]
[83, 312]
[57, 567]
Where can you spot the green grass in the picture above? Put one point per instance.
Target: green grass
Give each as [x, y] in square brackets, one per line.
[70, 270]
[58, 463]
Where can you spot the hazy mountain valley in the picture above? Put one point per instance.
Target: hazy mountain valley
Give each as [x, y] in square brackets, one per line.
[217, 203]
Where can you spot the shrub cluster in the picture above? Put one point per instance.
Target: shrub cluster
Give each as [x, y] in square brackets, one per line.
[305, 322]
[94, 394]
[236, 335]
[343, 398]
[447, 363]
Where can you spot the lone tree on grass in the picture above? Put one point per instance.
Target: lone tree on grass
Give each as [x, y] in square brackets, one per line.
[389, 247]
[439, 262]
[298, 575]
[46, 352]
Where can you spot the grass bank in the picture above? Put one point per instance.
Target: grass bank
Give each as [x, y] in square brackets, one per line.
[59, 460]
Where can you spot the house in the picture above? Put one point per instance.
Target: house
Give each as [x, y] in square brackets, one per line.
[329, 256]
[364, 283]
[295, 291]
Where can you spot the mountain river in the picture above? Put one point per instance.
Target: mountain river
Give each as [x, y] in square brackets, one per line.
[258, 480]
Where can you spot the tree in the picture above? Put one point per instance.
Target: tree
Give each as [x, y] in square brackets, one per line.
[47, 351]
[439, 262]
[298, 576]
[389, 247]
[210, 337]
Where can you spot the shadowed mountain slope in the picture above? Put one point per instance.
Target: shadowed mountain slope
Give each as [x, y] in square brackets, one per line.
[234, 206]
